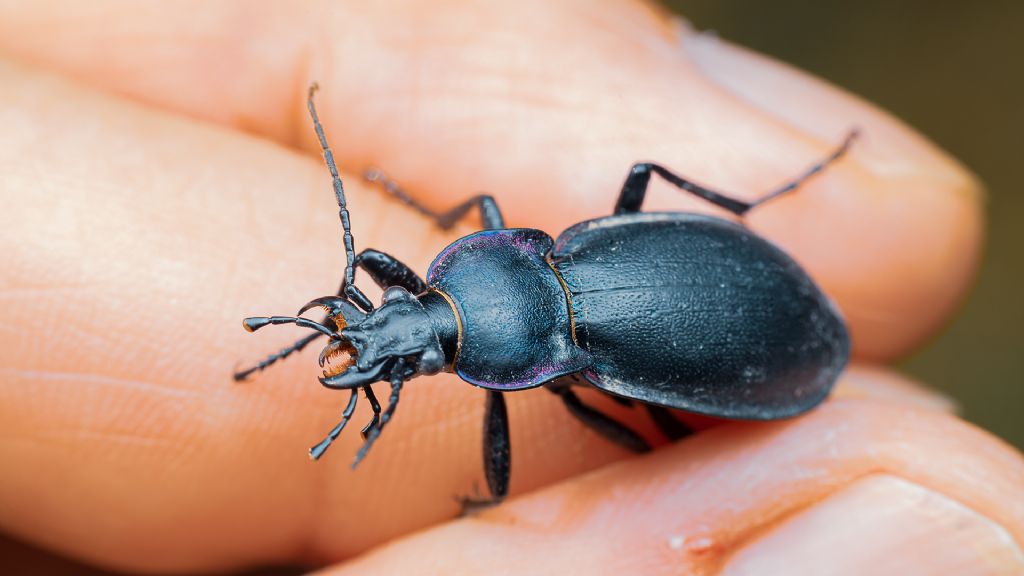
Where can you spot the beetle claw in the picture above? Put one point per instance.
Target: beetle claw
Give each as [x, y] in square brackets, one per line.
[341, 311]
[332, 304]
[333, 349]
[329, 349]
[354, 377]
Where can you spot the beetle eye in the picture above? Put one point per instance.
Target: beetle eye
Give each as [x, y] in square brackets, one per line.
[395, 294]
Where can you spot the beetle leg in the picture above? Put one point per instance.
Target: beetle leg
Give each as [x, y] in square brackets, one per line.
[603, 424]
[470, 505]
[317, 451]
[397, 379]
[375, 406]
[386, 271]
[635, 188]
[620, 400]
[489, 212]
[672, 429]
[497, 456]
[497, 451]
[662, 417]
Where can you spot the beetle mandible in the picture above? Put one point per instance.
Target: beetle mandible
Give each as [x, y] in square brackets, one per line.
[674, 310]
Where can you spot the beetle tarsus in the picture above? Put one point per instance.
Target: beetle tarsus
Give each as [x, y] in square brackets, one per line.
[317, 451]
[473, 506]
[397, 379]
[375, 406]
[795, 183]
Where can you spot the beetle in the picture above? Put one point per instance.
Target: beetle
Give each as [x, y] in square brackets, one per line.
[671, 309]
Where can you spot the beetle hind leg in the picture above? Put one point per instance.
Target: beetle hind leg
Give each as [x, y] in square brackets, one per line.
[634, 189]
[606, 426]
[672, 429]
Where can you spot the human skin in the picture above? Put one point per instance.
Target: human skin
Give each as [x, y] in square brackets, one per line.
[161, 181]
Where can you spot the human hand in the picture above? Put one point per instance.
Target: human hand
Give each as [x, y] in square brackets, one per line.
[136, 237]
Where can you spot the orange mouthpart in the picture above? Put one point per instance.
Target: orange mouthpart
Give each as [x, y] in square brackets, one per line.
[339, 355]
[333, 366]
[339, 321]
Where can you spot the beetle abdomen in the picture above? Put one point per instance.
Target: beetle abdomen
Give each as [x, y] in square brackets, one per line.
[698, 313]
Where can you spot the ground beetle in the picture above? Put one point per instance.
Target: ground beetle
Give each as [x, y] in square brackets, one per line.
[674, 310]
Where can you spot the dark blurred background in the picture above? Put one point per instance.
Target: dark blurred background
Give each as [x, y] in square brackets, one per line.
[954, 71]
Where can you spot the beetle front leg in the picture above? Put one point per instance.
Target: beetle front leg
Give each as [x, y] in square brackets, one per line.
[397, 380]
[375, 406]
[387, 271]
[383, 269]
[317, 451]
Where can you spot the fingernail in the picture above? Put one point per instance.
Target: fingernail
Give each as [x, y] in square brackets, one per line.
[818, 109]
[882, 526]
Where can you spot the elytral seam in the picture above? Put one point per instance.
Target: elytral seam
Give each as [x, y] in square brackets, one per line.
[568, 301]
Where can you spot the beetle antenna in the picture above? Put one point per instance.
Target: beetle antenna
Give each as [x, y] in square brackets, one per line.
[348, 283]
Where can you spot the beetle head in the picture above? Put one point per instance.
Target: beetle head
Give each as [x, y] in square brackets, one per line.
[370, 345]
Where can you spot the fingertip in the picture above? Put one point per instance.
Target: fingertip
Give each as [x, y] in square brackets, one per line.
[855, 485]
[878, 384]
[893, 231]
[881, 525]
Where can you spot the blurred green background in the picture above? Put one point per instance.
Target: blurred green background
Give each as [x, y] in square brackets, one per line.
[954, 71]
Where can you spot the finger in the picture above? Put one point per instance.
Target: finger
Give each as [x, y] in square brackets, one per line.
[20, 558]
[546, 106]
[884, 385]
[134, 243]
[856, 487]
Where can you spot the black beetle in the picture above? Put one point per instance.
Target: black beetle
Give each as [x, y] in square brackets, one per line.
[674, 310]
